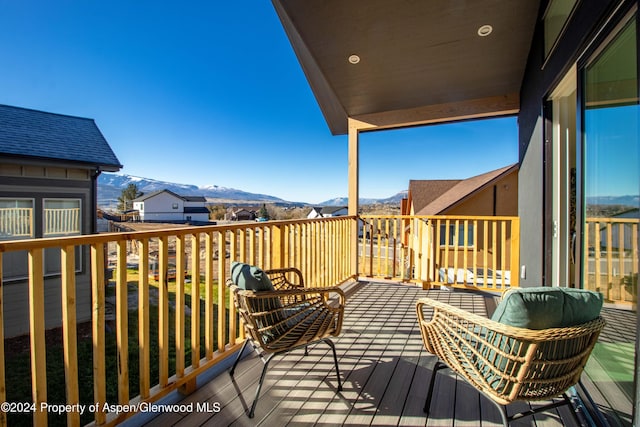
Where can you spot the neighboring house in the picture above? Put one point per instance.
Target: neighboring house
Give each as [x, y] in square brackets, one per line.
[243, 214]
[327, 211]
[167, 206]
[493, 193]
[49, 165]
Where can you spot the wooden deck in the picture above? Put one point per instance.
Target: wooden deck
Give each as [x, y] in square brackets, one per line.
[385, 372]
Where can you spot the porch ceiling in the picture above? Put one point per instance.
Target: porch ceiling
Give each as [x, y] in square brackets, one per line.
[421, 61]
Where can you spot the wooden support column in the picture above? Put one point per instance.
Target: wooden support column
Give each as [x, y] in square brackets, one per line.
[355, 127]
[354, 162]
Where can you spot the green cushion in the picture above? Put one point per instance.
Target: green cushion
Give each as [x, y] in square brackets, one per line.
[250, 277]
[546, 307]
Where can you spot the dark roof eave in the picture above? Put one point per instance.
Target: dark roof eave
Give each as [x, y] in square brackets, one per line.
[35, 160]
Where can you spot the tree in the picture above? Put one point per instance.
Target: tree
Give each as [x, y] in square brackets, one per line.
[263, 213]
[125, 201]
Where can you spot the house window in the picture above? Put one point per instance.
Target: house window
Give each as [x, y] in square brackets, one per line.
[555, 21]
[174, 206]
[16, 219]
[61, 217]
[456, 235]
[16, 222]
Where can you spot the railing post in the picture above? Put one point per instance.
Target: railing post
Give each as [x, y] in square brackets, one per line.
[515, 252]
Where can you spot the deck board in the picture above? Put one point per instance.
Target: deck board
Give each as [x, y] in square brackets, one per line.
[384, 368]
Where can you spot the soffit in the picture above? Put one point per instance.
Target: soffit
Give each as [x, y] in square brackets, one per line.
[420, 60]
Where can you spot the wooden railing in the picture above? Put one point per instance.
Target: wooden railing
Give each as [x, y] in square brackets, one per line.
[457, 251]
[160, 314]
[611, 258]
[186, 315]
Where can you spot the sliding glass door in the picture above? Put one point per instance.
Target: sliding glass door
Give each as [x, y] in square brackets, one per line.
[610, 212]
[611, 170]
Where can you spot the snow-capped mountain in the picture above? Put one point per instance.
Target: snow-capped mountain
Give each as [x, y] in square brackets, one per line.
[110, 186]
[343, 201]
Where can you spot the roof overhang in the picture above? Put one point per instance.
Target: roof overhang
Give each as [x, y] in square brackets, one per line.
[419, 61]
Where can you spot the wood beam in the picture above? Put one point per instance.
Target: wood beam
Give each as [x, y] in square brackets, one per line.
[494, 106]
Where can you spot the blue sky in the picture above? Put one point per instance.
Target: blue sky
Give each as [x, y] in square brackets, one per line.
[211, 93]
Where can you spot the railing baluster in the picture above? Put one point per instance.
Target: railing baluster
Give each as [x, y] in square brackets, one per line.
[122, 324]
[503, 254]
[597, 249]
[494, 249]
[98, 326]
[475, 252]
[222, 277]
[143, 317]
[69, 330]
[208, 291]
[36, 327]
[621, 257]
[180, 301]
[163, 311]
[195, 300]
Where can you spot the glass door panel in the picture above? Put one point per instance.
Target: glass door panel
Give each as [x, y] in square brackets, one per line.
[610, 214]
[611, 175]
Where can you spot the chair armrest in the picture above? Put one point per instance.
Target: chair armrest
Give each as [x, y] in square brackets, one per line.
[280, 278]
[292, 297]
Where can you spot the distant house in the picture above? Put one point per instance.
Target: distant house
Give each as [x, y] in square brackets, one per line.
[49, 165]
[167, 206]
[243, 214]
[327, 212]
[493, 193]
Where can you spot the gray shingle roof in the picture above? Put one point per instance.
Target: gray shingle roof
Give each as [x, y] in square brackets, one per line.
[41, 135]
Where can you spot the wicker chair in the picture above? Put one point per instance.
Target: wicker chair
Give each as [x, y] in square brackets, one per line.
[506, 363]
[287, 318]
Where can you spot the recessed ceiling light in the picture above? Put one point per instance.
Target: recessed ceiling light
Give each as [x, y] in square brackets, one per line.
[485, 30]
[354, 59]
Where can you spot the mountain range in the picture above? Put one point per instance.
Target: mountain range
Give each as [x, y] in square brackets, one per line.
[110, 186]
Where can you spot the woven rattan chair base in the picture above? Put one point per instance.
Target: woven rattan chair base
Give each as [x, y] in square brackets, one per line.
[502, 409]
[266, 358]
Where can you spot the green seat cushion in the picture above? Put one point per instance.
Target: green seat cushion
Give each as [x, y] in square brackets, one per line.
[250, 277]
[547, 307]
